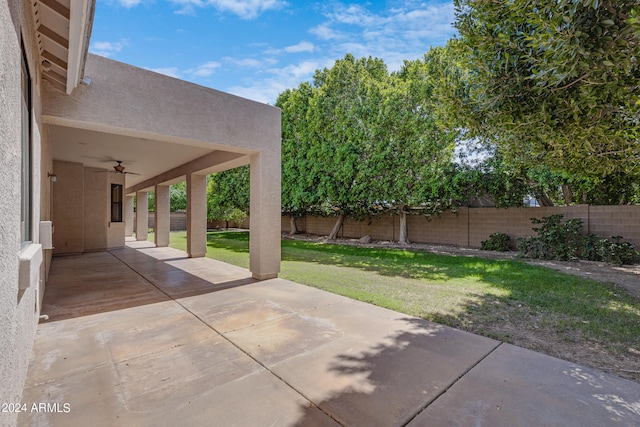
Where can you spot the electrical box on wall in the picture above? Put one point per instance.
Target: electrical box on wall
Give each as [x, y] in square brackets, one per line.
[46, 234]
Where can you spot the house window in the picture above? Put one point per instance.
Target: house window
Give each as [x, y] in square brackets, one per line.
[26, 189]
[116, 203]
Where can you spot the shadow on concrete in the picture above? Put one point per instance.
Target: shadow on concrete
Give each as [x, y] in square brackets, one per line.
[591, 323]
[394, 380]
[98, 282]
[415, 379]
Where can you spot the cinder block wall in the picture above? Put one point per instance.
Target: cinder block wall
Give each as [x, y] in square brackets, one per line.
[516, 222]
[383, 228]
[178, 221]
[450, 228]
[285, 224]
[468, 227]
[616, 221]
[319, 225]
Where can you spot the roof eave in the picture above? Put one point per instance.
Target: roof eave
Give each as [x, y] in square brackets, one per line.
[80, 25]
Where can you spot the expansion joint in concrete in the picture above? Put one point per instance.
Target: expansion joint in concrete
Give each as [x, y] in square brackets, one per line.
[266, 368]
[446, 389]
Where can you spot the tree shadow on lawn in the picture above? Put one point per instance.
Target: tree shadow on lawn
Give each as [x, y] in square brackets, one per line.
[533, 283]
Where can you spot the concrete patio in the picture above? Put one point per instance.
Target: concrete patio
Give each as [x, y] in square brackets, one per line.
[144, 336]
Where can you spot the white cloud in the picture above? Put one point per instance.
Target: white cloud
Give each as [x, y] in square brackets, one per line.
[267, 90]
[300, 47]
[201, 71]
[167, 71]
[129, 3]
[245, 9]
[403, 32]
[300, 72]
[106, 49]
[204, 70]
[324, 32]
[353, 15]
[245, 62]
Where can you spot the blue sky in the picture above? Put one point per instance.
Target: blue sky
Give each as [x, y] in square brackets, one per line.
[259, 48]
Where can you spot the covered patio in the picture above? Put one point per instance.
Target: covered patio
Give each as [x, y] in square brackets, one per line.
[126, 132]
[146, 335]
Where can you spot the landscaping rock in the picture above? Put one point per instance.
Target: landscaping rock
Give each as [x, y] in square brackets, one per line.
[365, 239]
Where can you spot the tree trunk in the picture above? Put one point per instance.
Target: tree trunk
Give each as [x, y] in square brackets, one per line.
[294, 227]
[403, 239]
[336, 227]
[567, 194]
[544, 200]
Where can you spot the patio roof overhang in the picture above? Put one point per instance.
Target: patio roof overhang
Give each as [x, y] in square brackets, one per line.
[158, 126]
[63, 29]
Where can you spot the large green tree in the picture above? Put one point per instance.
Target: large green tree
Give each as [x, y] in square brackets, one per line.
[411, 152]
[343, 116]
[228, 195]
[299, 190]
[552, 82]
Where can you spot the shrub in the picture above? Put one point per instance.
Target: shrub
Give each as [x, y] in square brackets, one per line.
[614, 251]
[565, 241]
[591, 248]
[555, 240]
[496, 242]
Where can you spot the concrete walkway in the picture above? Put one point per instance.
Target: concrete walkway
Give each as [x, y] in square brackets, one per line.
[144, 336]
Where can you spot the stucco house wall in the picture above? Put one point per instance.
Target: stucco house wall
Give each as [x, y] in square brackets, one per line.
[81, 209]
[68, 208]
[19, 309]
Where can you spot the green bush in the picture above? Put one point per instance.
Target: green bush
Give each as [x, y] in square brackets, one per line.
[566, 241]
[614, 251]
[496, 242]
[591, 248]
[555, 240]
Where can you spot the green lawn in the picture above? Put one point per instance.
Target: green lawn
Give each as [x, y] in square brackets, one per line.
[512, 301]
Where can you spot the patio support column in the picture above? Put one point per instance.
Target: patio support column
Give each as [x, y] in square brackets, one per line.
[142, 215]
[265, 215]
[163, 216]
[128, 216]
[196, 215]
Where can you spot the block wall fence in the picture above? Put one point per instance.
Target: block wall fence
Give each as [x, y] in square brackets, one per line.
[178, 222]
[467, 227]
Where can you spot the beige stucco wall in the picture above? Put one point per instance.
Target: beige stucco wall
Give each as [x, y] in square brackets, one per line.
[68, 208]
[81, 209]
[95, 209]
[18, 309]
[129, 100]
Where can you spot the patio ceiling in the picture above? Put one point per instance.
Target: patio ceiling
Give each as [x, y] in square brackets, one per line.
[148, 158]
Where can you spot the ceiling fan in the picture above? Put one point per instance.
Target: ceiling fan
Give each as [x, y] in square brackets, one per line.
[119, 169]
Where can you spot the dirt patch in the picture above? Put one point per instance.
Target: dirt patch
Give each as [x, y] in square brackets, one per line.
[522, 329]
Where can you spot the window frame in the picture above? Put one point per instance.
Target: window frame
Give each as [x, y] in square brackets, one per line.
[117, 199]
[26, 167]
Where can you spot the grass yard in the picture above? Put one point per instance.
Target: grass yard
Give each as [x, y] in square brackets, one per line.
[541, 309]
